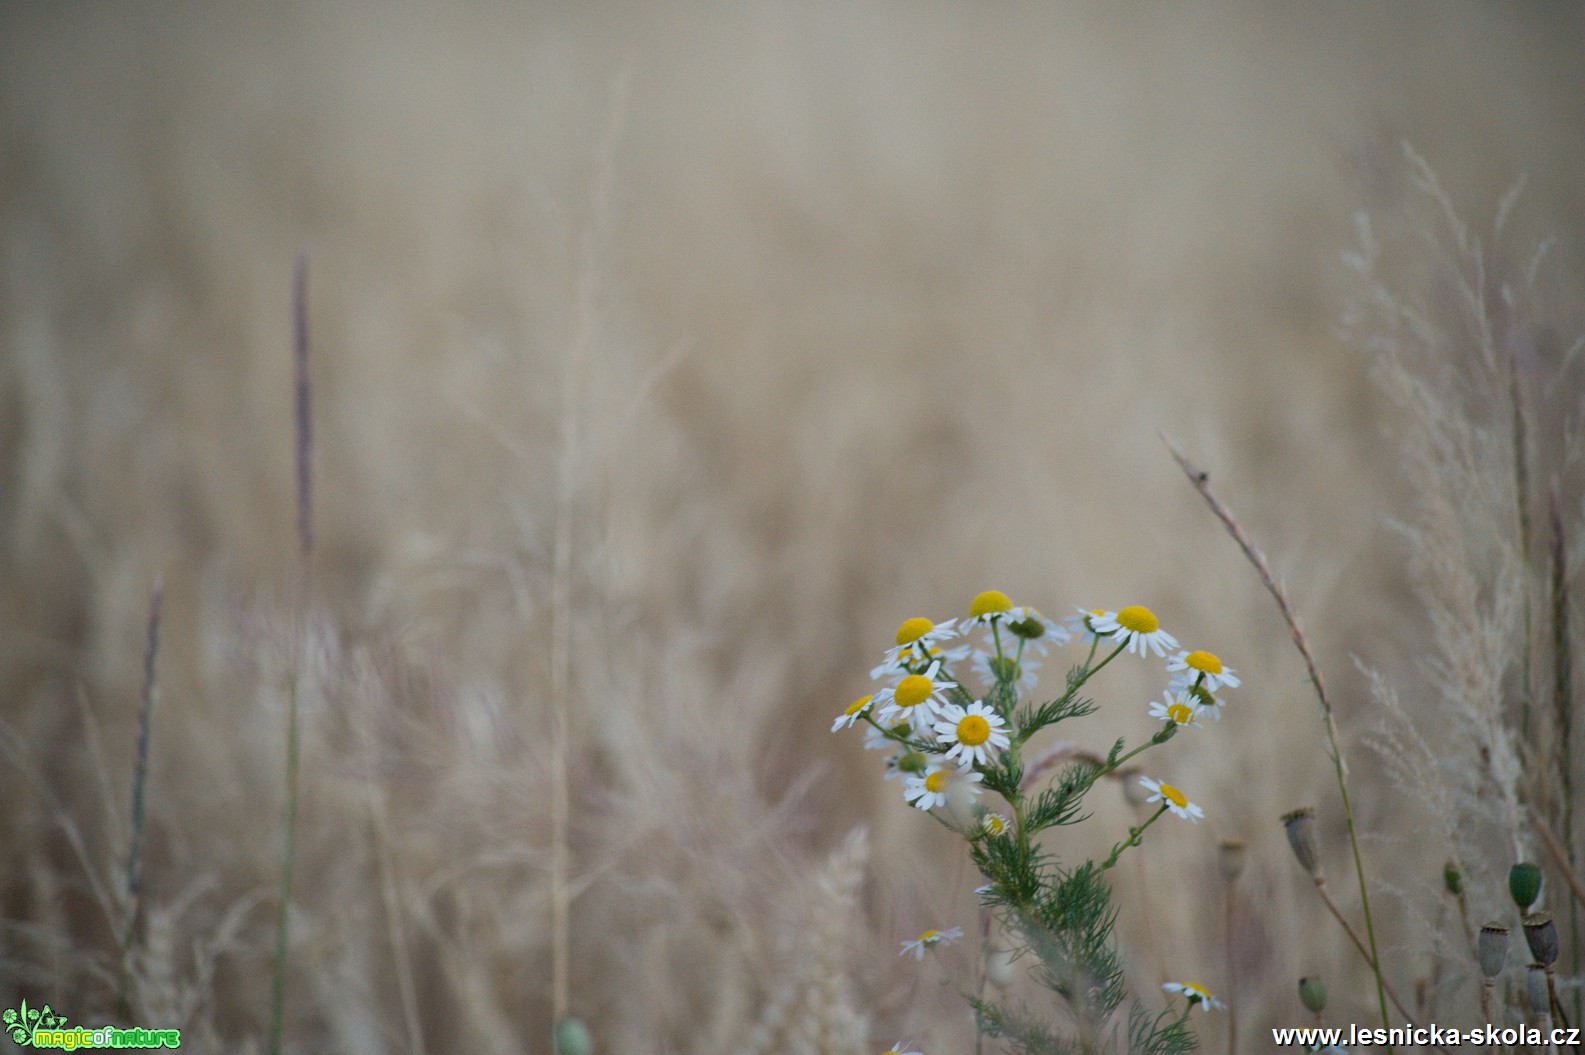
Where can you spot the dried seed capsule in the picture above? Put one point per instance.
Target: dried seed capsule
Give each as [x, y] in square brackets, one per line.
[1492, 949]
[1535, 990]
[1541, 934]
[1300, 826]
[1230, 857]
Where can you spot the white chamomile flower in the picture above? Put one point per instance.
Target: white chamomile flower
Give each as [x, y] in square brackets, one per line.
[916, 697]
[1201, 696]
[976, 732]
[897, 1049]
[1034, 632]
[908, 658]
[929, 940]
[922, 633]
[1204, 667]
[1174, 799]
[853, 713]
[994, 824]
[990, 606]
[1136, 627]
[987, 664]
[1196, 994]
[1178, 707]
[931, 788]
[1082, 623]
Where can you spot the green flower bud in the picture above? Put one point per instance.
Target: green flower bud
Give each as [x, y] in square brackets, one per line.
[1313, 992]
[1028, 629]
[913, 762]
[1524, 883]
[1004, 669]
[1453, 879]
[572, 1038]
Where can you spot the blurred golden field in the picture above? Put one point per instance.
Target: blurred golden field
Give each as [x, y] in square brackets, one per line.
[711, 341]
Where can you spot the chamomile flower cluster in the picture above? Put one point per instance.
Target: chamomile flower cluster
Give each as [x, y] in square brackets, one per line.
[954, 707]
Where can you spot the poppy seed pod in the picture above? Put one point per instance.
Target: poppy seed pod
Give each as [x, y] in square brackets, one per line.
[1536, 994]
[1524, 883]
[1230, 857]
[1541, 934]
[1312, 991]
[1300, 826]
[1492, 949]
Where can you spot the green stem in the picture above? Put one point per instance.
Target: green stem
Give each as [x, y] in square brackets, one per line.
[1133, 837]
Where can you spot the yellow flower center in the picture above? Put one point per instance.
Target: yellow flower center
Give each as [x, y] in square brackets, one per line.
[1205, 661]
[914, 629]
[989, 602]
[1180, 713]
[1174, 796]
[913, 690]
[1139, 619]
[973, 730]
[858, 705]
[929, 936]
[937, 782]
[994, 824]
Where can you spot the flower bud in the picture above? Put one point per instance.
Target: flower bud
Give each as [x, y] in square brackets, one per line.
[572, 1038]
[1300, 826]
[1492, 949]
[1028, 629]
[1536, 993]
[1524, 883]
[1453, 879]
[1004, 669]
[1541, 934]
[1230, 857]
[1313, 992]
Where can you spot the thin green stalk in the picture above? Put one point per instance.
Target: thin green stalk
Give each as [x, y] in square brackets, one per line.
[1201, 482]
[1133, 837]
[140, 773]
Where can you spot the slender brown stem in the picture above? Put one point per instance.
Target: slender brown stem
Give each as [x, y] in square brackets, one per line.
[1201, 482]
[1232, 968]
[1554, 850]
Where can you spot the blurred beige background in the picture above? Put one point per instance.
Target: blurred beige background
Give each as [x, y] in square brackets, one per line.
[809, 317]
